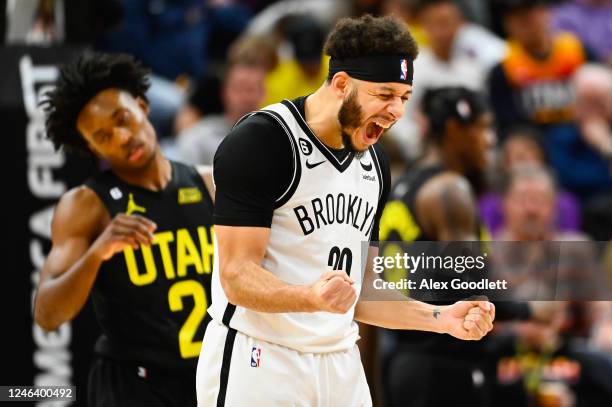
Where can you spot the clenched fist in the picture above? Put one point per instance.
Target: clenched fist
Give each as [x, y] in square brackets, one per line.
[468, 320]
[334, 292]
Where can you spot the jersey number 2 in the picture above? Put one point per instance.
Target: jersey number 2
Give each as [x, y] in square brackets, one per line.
[187, 346]
[340, 259]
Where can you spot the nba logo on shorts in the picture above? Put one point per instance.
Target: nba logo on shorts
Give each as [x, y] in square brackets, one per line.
[255, 356]
[404, 69]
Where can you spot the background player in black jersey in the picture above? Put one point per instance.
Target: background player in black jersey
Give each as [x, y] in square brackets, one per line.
[137, 237]
[436, 201]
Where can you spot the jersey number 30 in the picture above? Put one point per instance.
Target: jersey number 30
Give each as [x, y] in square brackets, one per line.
[189, 288]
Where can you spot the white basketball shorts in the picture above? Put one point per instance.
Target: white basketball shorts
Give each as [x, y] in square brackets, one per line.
[236, 370]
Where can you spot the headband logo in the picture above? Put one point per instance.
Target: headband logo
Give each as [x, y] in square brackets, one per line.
[463, 108]
[404, 69]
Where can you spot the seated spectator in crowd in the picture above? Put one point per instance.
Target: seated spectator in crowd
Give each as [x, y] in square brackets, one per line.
[543, 365]
[254, 50]
[459, 53]
[529, 207]
[523, 147]
[205, 98]
[305, 69]
[532, 83]
[581, 152]
[325, 12]
[242, 92]
[590, 20]
[531, 355]
[169, 37]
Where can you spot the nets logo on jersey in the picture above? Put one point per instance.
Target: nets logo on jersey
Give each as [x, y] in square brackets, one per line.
[255, 356]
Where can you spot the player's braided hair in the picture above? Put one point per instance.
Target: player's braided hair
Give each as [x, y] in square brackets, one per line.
[78, 83]
[370, 36]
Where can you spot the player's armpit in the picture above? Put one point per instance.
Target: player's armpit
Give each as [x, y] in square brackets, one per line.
[206, 173]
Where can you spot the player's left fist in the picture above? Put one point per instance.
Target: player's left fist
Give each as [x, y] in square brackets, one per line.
[468, 320]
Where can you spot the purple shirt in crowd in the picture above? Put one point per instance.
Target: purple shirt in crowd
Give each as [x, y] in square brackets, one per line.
[591, 23]
[490, 207]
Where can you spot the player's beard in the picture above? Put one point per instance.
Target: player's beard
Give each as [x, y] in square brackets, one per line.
[350, 117]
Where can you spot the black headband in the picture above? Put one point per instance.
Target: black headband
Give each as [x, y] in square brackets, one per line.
[374, 68]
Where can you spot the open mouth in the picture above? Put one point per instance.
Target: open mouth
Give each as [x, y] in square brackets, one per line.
[135, 153]
[373, 131]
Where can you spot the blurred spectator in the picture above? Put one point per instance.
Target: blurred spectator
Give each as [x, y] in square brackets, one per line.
[325, 12]
[581, 152]
[226, 20]
[303, 72]
[169, 37]
[172, 38]
[531, 84]
[242, 92]
[523, 147]
[204, 99]
[35, 22]
[45, 30]
[459, 54]
[476, 11]
[591, 21]
[60, 21]
[539, 361]
[406, 11]
[254, 50]
[530, 206]
[533, 368]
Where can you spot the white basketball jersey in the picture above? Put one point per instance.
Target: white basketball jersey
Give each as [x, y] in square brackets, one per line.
[319, 224]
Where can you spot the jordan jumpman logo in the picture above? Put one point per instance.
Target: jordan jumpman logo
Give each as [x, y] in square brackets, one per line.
[132, 207]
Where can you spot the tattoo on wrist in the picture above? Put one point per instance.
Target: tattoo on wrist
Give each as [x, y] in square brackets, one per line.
[436, 312]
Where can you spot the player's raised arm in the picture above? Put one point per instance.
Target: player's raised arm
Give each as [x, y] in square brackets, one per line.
[75, 257]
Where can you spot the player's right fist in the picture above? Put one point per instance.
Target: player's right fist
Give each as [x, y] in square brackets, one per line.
[334, 292]
[123, 231]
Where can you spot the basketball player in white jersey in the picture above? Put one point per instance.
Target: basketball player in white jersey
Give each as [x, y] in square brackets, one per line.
[299, 186]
